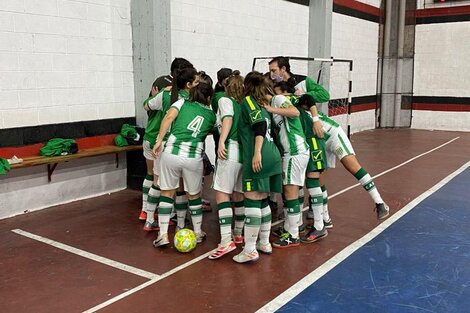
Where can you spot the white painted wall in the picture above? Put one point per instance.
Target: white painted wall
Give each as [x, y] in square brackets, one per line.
[64, 61]
[442, 69]
[225, 33]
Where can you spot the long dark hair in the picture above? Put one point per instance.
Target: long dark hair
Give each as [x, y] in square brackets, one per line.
[176, 68]
[202, 93]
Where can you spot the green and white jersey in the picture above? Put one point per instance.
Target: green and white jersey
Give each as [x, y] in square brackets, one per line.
[215, 100]
[160, 105]
[291, 135]
[252, 113]
[315, 90]
[190, 129]
[330, 127]
[153, 123]
[229, 107]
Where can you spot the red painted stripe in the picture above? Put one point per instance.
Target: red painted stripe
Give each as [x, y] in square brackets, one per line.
[359, 6]
[363, 107]
[449, 107]
[454, 10]
[32, 150]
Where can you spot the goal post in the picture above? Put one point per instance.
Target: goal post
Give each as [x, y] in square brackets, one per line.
[336, 72]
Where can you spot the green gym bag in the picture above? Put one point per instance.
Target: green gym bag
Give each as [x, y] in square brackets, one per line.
[59, 146]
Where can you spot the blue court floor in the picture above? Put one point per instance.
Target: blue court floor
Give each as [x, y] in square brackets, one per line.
[421, 263]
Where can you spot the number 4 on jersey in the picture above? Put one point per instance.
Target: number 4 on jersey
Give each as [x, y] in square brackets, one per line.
[195, 125]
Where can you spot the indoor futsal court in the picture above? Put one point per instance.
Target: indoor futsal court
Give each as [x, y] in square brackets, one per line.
[178, 156]
[91, 255]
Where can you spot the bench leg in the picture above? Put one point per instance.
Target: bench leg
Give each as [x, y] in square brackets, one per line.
[50, 170]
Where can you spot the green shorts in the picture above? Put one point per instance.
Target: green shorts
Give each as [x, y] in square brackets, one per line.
[318, 160]
[268, 184]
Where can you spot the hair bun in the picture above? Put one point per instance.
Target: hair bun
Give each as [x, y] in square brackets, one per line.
[236, 73]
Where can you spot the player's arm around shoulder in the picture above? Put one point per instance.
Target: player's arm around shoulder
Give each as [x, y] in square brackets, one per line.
[281, 105]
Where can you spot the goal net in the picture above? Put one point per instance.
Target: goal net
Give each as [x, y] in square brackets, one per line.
[333, 74]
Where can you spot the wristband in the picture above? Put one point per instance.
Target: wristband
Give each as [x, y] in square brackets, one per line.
[316, 118]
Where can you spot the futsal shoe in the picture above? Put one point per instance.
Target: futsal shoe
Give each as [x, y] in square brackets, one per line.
[142, 215]
[151, 226]
[264, 248]
[222, 250]
[382, 210]
[286, 241]
[237, 238]
[310, 209]
[206, 206]
[280, 231]
[314, 235]
[200, 237]
[302, 229]
[328, 224]
[244, 257]
[162, 240]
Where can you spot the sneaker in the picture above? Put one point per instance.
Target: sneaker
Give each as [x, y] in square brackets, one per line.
[151, 226]
[265, 248]
[142, 215]
[286, 241]
[237, 238]
[280, 231]
[314, 235]
[206, 206]
[161, 240]
[222, 250]
[382, 210]
[244, 257]
[302, 229]
[200, 237]
[328, 224]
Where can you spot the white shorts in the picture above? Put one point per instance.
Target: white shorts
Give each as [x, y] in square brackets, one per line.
[338, 145]
[157, 166]
[293, 169]
[172, 167]
[228, 176]
[148, 153]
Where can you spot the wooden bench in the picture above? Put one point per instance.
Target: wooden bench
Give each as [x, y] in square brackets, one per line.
[92, 146]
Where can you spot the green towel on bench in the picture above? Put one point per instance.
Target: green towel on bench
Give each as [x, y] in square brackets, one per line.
[59, 146]
[128, 133]
[4, 166]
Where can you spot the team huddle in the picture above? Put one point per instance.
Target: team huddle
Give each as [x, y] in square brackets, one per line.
[269, 138]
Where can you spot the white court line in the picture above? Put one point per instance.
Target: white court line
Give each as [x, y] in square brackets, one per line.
[308, 280]
[378, 175]
[146, 284]
[88, 255]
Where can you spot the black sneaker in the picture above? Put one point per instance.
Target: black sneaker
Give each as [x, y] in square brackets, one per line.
[382, 210]
[302, 229]
[314, 235]
[280, 231]
[286, 241]
[328, 224]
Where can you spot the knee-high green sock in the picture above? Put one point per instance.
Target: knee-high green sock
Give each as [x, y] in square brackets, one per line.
[265, 227]
[293, 212]
[368, 184]
[153, 199]
[146, 185]
[326, 213]
[196, 214]
[225, 221]
[164, 211]
[181, 207]
[239, 218]
[313, 185]
[252, 223]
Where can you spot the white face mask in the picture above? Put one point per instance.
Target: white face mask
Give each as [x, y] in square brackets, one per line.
[276, 78]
